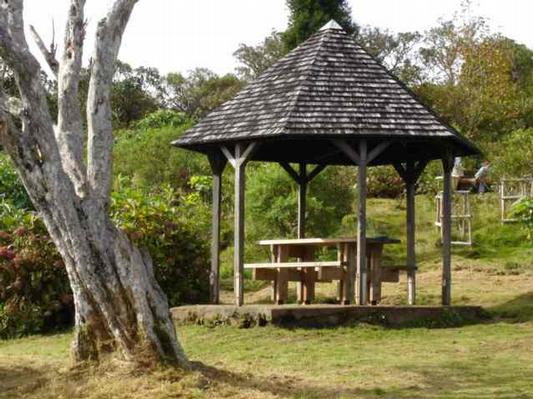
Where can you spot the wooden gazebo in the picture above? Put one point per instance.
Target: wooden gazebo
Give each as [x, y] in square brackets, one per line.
[328, 102]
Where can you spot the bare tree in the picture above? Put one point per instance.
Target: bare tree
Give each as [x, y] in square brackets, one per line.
[119, 305]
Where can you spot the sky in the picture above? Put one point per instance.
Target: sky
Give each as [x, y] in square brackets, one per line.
[180, 35]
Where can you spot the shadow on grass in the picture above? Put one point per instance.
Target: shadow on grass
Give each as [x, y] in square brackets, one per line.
[277, 385]
[453, 379]
[519, 309]
[20, 380]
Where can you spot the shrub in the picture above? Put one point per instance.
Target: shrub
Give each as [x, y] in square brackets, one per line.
[11, 188]
[272, 205]
[35, 295]
[162, 118]
[174, 229]
[523, 211]
[513, 155]
[150, 160]
[384, 182]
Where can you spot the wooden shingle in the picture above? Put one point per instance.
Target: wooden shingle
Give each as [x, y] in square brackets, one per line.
[328, 87]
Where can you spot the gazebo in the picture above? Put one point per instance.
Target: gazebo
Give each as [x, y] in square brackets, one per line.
[328, 102]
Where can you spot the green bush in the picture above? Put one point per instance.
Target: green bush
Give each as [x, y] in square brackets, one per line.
[523, 211]
[174, 229]
[513, 156]
[162, 118]
[384, 182]
[35, 295]
[148, 158]
[272, 206]
[11, 188]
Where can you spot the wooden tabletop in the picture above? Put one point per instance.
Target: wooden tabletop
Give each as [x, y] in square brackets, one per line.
[327, 241]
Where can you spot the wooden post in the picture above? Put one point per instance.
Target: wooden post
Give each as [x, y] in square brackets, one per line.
[361, 158]
[238, 263]
[361, 223]
[410, 174]
[447, 163]
[238, 160]
[410, 239]
[218, 163]
[302, 192]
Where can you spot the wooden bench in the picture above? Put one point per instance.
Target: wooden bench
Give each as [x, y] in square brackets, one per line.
[391, 274]
[325, 271]
[306, 272]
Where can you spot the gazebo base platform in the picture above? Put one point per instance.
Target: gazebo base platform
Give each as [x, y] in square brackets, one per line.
[317, 316]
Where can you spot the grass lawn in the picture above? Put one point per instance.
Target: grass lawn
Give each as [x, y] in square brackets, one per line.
[478, 361]
[493, 359]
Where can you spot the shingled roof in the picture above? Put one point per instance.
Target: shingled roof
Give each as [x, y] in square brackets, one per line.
[328, 87]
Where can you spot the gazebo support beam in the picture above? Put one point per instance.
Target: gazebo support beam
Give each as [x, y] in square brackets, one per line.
[239, 159]
[360, 157]
[302, 178]
[217, 163]
[410, 175]
[447, 163]
[302, 203]
[361, 228]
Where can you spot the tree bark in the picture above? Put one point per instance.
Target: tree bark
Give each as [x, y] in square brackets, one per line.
[119, 304]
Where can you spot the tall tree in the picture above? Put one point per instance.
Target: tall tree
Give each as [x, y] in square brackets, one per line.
[135, 93]
[397, 51]
[199, 92]
[307, 16]
[119, 305]
[255, 59]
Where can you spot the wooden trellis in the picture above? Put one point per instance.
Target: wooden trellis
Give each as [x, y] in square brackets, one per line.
[512, 191]
[461, 217]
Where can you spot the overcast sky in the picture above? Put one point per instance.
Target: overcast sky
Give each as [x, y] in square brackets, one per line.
[179, 35]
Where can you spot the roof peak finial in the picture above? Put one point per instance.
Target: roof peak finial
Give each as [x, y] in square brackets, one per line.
[332, 24]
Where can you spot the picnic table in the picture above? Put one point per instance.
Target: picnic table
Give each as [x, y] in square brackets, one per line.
[307, 270]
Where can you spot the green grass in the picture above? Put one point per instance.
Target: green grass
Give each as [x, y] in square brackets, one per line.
[486, 360]
[477, 361]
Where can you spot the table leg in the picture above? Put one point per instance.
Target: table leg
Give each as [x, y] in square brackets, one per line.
[375, 252]
[309, 277]
[282, 284]
[273, 259]
[349, 251]
[340, 283]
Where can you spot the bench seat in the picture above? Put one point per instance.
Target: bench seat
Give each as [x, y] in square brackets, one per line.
[391, 274]
[323, 271]
[275, 265]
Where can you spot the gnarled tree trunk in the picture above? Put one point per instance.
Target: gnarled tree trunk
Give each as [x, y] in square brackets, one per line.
[119, 304]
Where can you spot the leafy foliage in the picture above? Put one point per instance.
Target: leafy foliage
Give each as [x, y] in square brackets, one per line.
[200, 91]
[12, 191]
[272, 202]
[135, 93]
[162, 118]
[307, 16]
[523, 211]
[384, 182]
[146, 156]
[35, 294]
[514, 154]
[397, 51]
[175, 235]
[256, 59]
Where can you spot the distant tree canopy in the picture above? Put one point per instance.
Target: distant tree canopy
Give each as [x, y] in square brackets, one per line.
[307, 16]
[200, 91]
[255, 59]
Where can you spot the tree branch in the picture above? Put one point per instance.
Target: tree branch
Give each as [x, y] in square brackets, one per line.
[49, 55]
[36, 138]
[70, 132]
[100, 142]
